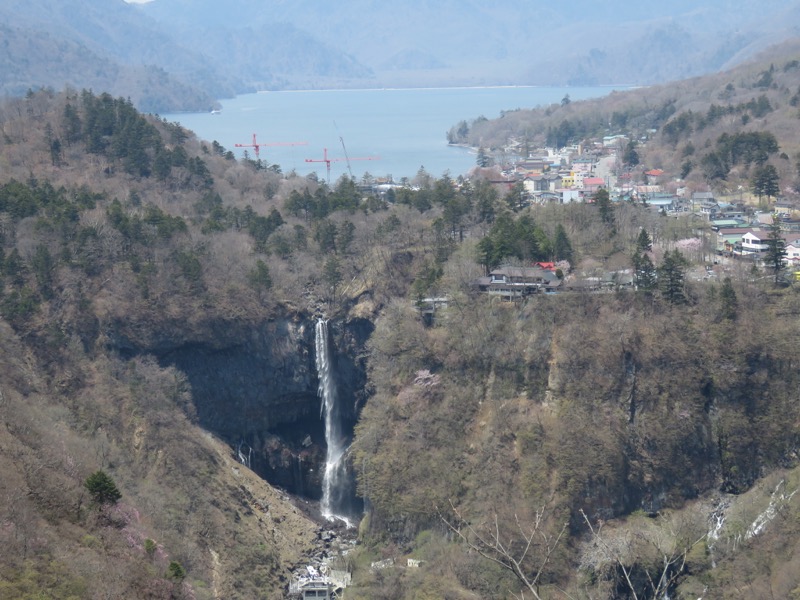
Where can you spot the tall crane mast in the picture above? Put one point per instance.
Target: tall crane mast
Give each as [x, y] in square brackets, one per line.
[328, 160]
[256, 145]
[347, 158]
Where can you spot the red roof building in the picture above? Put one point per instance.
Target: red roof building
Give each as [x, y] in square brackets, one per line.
[592, 184]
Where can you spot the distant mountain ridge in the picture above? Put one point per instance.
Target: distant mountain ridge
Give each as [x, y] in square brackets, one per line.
[206, 49]
[108, 46]
[507, 42]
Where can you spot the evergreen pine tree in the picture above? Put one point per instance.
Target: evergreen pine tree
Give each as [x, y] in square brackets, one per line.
[728, 301]
[176, 571]
[485, 197]
[644, 243]
[562, 247]
[102, 488]
[606, 209]
[671, 278]
[259, 276]
[516, 197]
[776, 250]
[527, 241]
[332, 275]
[43, 265]
[486, 254]
[71, 124]
[644, 272]
[765, 181]
[630, 157]
[483, 159]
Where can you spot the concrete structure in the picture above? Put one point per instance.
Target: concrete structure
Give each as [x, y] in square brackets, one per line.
[318, 590]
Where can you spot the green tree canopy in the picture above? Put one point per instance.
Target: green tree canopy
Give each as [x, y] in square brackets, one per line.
[776, 250]
[765, 181]
[176, 570]
[483, 159]
[562, 247]
[728, 301]
[645, 277]
[671, 277]
[630, 157]
[644, 243]
[102, 488]
[259, 277]
[603, 201]
[332, 274]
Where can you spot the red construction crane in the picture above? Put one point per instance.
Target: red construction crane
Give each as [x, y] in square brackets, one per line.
[255, 145]
[328, 160]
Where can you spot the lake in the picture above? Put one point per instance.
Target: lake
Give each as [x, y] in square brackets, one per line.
[382, 131]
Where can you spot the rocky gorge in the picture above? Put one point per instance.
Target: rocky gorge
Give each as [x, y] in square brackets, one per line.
[255, 385]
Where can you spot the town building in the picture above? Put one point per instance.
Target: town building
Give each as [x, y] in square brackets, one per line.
[512, 283]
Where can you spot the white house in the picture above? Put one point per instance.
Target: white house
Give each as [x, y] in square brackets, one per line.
[568, 196]
[792, 258]
[793, 254]
[755, 242]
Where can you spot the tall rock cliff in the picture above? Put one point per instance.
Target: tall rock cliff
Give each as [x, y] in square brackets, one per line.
[255, 385]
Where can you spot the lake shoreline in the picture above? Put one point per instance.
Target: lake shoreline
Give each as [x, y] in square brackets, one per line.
[406, 127]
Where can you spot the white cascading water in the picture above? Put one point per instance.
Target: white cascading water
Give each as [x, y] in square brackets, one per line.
[335, 479]
[244, 458]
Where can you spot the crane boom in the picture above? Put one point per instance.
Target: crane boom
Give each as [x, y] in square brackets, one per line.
[349, 170]
[256, 145]
[328, 160]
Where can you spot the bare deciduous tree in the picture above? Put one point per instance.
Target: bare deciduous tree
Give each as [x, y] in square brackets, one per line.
[666, 549]
[531, 542]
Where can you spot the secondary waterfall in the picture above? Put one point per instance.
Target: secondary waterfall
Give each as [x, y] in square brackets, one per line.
[336, 481]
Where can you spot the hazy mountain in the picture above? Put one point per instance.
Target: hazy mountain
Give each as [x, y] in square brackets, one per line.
[471, 42]
[275, 55]
[188, 52]
[108, 46]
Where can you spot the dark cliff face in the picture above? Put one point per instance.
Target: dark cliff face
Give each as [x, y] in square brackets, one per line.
[350, 369]
[256, 386]
[259, 379]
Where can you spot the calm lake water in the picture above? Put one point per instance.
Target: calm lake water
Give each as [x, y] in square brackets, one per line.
[398, 130]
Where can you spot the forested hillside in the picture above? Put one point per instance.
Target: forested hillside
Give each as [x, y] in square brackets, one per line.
[105, 46]
[157, 303]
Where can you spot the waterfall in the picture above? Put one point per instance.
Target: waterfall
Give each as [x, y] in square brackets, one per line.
[777, 501]
[716, 520]
[336, 481]
[245, 459]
